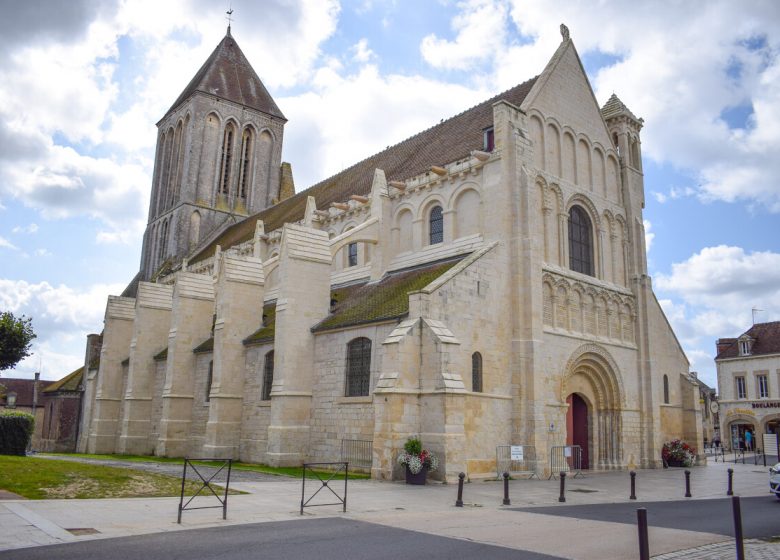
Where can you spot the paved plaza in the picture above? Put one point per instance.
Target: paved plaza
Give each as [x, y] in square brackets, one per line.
[597, 521]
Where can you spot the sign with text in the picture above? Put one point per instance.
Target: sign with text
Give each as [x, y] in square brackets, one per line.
[517, 452]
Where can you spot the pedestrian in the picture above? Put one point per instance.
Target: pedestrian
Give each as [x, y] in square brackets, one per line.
[716, 441]
[748, 441]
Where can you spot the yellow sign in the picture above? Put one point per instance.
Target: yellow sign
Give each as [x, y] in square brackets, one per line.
[744, 411]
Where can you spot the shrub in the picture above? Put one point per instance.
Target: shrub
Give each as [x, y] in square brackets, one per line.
[16, 430]
[678, 451]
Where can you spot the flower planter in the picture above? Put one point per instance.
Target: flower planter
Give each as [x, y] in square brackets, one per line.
[675, 463]
[418, 478]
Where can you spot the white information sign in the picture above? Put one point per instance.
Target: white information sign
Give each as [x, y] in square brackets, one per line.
[517, 452]
[567, 451]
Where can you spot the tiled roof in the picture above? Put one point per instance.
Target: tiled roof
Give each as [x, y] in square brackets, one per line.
[70, 382]
[228, 74]
[384, 300]
[22, 387]
[448, 141]
[766, 340]
[266, 332]
[614, 107]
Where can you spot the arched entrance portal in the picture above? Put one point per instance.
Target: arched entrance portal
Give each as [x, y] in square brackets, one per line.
[594, 394]
[577, 426]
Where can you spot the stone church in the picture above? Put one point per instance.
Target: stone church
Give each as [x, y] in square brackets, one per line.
[481, 283]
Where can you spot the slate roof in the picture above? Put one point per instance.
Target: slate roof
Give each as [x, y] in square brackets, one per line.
[205, 346]
[448, 141]
[70, 382]
[766, 340]
[22, 387]
[384, 300]
[227, 74]
[162, 355]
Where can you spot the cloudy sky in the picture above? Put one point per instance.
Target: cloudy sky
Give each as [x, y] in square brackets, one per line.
[83, 82]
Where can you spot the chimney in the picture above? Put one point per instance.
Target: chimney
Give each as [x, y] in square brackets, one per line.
[724, 343]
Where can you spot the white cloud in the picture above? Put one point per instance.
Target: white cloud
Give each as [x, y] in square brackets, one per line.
[31, 228]
[7, 244]
[479, 32]
[649, 236]
[362, 52]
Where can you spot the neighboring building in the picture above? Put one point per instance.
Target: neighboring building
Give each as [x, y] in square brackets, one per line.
[709, 411]
[481, 283]
[24, 395]
[749, 383]
[61, 403]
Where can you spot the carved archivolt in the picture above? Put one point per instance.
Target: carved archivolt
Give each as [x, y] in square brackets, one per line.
[601, 370]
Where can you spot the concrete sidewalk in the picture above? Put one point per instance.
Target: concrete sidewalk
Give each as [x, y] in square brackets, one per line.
[428, 509]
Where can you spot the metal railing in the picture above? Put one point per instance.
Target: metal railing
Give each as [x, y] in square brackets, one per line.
[358, 452]
[517, 460]
[206, 483]
[565, 458]
[325, 483]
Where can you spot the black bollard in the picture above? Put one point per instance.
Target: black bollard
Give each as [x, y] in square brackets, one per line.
[459, 501]
[738, 527]
[644, 541]
[687, 484]
[730, 491]
[764, 456]
[633, 486]
[506, 501]
[562, 497]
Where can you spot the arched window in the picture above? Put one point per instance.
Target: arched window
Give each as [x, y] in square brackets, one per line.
[666, 389]
[268, 375]
[476, 372]
[358, 367]
[209, 379]
[580, 241]
[162, 248]
[225, 160]
[436, 226]
[245, 178]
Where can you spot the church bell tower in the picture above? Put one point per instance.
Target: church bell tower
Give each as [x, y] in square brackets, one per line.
[218, 158]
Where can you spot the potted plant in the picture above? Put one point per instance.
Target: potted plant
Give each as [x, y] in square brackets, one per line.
[677, 453]
[418, 461]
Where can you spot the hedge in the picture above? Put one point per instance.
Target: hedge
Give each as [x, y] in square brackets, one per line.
[16, 430]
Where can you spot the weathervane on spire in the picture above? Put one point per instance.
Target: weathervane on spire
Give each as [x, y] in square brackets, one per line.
[229, 18]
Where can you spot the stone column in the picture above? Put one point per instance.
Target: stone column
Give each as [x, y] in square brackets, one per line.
[304, 299]
[193, 307]
[117, 333]
[150, 330]
[240, 285]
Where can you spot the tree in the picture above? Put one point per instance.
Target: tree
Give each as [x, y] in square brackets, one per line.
[16, 336]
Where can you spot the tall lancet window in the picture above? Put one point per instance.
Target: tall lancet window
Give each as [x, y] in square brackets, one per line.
[436, 223]
[580, 241]
[245, 177]
[227, 156]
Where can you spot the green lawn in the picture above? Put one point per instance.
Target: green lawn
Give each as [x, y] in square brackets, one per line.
[36, 479]
[295, 472]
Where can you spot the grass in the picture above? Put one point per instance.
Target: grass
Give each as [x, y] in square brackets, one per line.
[38, 479]
[295, 472]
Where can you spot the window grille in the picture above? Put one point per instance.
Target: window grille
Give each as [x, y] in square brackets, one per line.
[580, 242]
[476, 372]
[358, 367]
[227, 152]
[246, 154]
[352, 254]
[268, 375]
[436, 226]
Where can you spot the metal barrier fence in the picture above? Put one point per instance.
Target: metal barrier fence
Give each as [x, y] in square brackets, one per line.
[565, 458]
[517, 460]
[358, 452]
[324, 483]
[206, 484]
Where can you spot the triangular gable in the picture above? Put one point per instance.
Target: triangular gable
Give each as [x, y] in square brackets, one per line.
[564, 92]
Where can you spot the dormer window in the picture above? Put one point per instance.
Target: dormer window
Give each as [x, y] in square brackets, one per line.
[745, 346]
[488, 139]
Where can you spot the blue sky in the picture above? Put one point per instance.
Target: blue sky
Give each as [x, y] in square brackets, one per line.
[83, 83]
